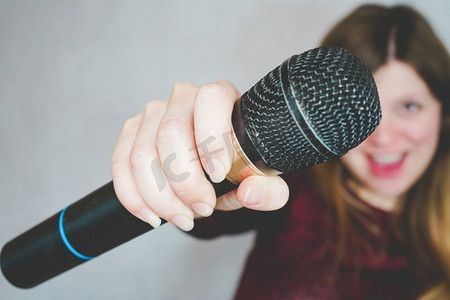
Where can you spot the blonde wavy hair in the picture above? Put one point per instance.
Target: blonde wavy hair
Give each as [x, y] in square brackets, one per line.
[375, 33]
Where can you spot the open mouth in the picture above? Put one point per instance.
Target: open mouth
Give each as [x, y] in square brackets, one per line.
[386, 165]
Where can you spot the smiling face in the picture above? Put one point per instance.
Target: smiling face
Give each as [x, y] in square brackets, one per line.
[398, 152]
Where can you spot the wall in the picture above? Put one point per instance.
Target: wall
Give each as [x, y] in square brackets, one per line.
[71, 72]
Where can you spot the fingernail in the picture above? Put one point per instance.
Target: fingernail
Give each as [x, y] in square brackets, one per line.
[253, 196]
[202, 209]
[148, 216]
[216, 170]
[183, 222]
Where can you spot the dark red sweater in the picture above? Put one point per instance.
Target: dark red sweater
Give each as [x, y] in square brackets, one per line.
[294, 257]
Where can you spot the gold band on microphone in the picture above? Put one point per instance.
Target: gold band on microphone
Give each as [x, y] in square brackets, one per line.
[241, 166]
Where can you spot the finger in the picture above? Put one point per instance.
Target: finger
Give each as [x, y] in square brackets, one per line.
[177, 149]
[263, 193]
[146, 166]
[123, 181]
[228, 201]
[212, 124]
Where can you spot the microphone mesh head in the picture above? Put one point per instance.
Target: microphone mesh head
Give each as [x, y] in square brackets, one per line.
[314, 107]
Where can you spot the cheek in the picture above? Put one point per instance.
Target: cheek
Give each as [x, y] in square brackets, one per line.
[425, 133]
[354, 159]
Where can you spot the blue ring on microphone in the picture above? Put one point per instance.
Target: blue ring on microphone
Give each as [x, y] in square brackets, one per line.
[66, 241]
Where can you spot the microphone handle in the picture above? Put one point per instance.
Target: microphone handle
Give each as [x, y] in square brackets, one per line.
[85, 229]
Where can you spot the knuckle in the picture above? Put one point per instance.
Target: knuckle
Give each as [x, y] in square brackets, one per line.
[186, 192]
[131, 124]
[167, 208]
[154, 105]
[211, 89]
[170, 129]
[181, 87]
[222, 90]
[158, 206]
[228, 201]
[189, 190]
[139, 155]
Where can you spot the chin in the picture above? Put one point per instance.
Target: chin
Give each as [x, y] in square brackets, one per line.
[389, 187]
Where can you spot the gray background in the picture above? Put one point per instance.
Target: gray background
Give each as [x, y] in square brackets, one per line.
[71, 72]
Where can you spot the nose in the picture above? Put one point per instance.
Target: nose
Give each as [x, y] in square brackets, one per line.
[384, 134]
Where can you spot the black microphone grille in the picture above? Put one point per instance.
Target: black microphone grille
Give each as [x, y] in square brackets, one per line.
[314, 107]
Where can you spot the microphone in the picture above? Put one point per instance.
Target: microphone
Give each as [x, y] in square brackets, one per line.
[312, 108]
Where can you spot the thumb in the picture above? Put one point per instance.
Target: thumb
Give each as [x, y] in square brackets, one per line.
[256, 192]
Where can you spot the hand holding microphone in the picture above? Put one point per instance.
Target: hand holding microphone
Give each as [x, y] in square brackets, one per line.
[314, 107]
[149, 187]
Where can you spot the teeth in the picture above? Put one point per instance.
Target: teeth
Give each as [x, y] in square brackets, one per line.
[387, 158]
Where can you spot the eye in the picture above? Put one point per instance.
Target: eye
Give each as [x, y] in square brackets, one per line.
[410, 107]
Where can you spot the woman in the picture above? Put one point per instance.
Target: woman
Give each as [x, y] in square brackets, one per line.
[373, 224]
